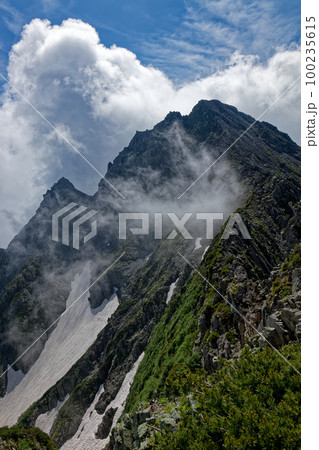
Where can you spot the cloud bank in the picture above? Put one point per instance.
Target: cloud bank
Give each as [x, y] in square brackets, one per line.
[98, 97]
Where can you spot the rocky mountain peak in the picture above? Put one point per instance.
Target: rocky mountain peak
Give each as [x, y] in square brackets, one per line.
[62, 191]
[63, 183]
[171, 117]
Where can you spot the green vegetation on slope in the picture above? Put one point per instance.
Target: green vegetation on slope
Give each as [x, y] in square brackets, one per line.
[252, 402]
[171, 343]
[19, 439]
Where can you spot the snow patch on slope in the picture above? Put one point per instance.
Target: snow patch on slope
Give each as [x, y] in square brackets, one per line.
[171, 291]
[120, 399]
[84, 438]
[76, 330]
[205, 252]
[198, 245]
[45, 421]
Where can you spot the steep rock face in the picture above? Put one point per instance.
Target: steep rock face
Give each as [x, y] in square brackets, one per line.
[159, 165]
[32, 240]
[243, 273]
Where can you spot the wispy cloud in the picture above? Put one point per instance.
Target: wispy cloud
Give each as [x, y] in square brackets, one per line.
[249, 26]
[13, 19]
[50, 5]
[181, 59]
[212, 30]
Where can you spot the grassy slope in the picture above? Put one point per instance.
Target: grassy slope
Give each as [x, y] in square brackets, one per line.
[20, 439]
[171, 343]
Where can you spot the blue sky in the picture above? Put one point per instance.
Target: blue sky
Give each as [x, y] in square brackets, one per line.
[186, 39]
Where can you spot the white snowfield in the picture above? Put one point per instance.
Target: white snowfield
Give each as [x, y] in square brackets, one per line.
[76, 330]
[84, 438]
